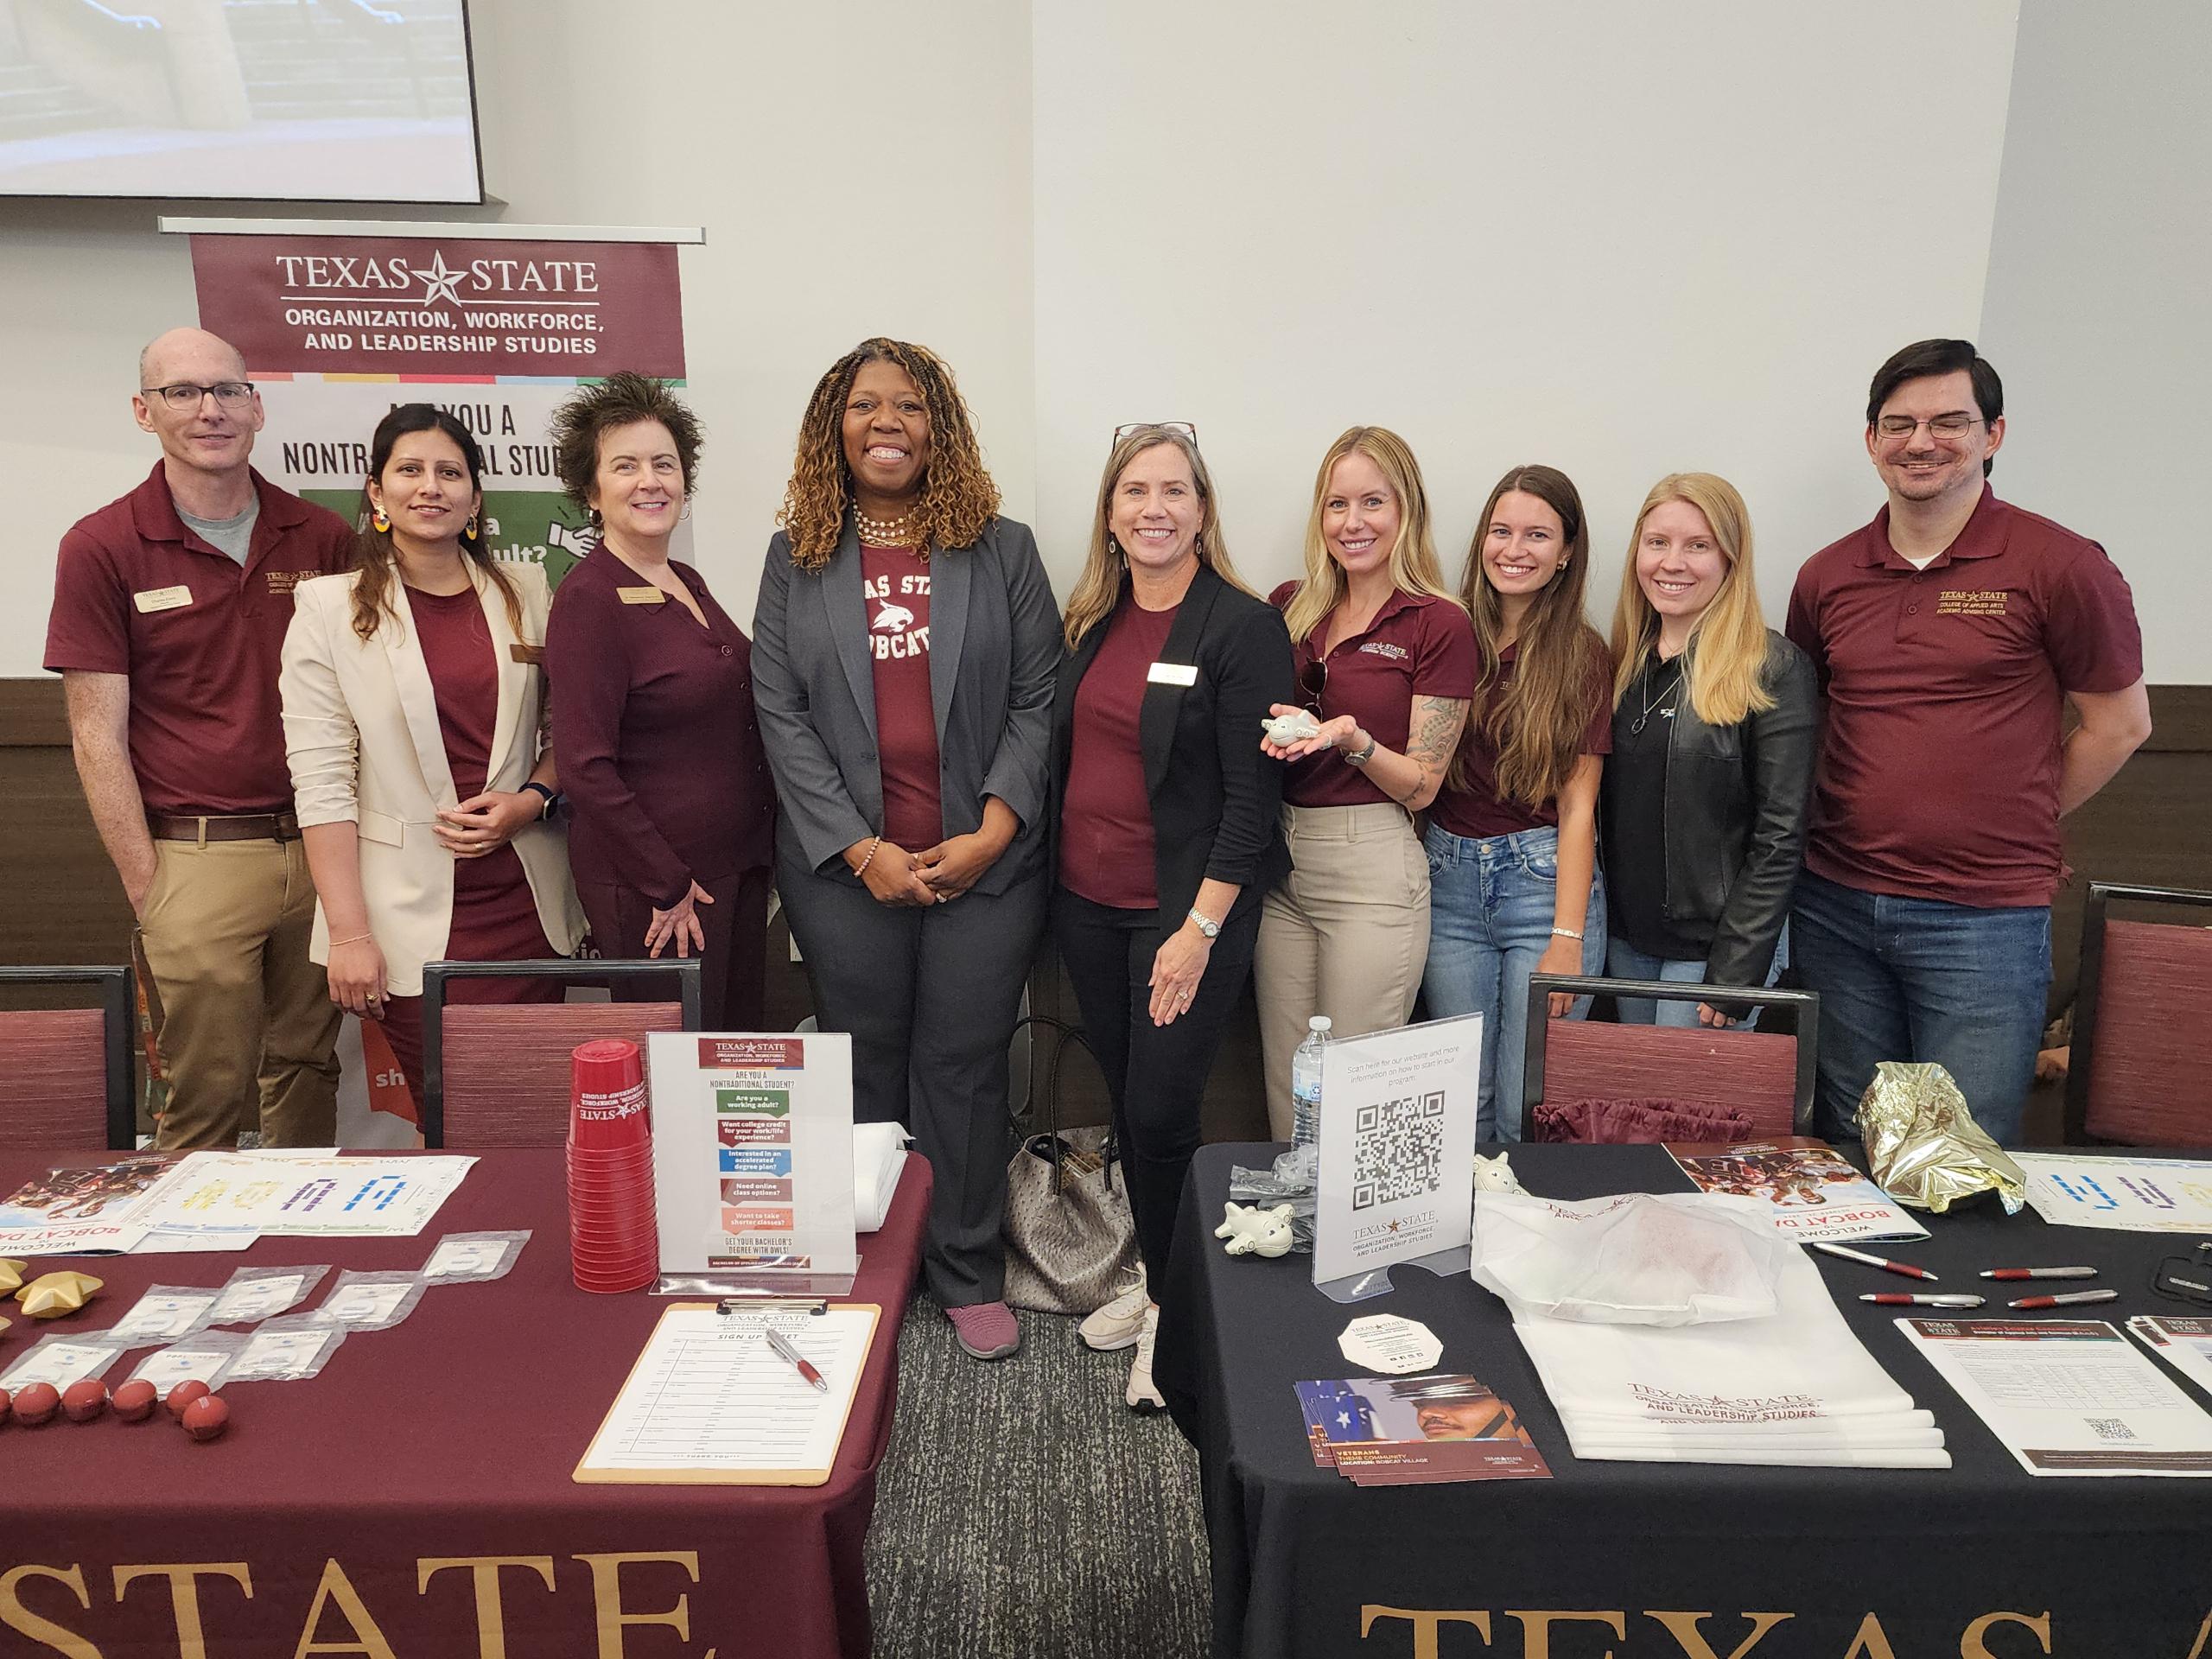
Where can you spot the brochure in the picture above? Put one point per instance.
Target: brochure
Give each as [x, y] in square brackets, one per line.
[1416, 1431]
[1818, 1196]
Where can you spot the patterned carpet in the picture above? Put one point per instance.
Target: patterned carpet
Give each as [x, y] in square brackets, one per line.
[1024, 1512]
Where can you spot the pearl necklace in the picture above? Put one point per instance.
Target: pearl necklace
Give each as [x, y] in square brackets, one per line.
[884, 532]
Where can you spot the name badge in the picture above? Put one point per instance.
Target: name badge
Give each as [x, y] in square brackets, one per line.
[149, 599]
[1172, 674]
[522, 653]
[642, 595]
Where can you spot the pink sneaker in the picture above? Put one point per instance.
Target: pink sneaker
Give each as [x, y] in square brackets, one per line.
[985, 1330]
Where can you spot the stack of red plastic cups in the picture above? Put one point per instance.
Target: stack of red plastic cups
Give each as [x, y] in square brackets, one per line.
[613, 1240]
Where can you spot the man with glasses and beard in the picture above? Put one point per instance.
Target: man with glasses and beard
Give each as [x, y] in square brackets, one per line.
[1950, 636]
[171, 606]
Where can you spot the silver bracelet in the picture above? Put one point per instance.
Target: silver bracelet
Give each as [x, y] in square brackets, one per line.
[1568, 933]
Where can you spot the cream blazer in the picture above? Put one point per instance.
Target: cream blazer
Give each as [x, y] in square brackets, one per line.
[361, 733]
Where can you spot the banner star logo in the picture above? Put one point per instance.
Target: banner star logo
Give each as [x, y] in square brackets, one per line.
[438, 282]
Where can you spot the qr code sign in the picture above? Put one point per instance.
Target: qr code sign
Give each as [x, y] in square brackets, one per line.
[1397, 1150]
[2110, 1428]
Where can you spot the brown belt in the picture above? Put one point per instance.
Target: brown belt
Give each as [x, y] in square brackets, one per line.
[225, 826]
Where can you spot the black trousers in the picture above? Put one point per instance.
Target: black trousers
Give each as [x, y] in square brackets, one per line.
[733, 969]
[929, 996]
[1156, 1074]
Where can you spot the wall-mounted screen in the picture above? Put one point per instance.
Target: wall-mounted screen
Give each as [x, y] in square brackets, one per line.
[264, 100]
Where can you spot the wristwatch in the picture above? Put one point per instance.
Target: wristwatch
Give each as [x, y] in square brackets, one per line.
[1361, 757]
[552, 800]
[1207, 926]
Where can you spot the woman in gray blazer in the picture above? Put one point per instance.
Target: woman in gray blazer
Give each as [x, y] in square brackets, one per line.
[903, 650]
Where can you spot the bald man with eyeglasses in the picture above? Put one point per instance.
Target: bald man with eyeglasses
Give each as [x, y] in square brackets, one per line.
[171, 606]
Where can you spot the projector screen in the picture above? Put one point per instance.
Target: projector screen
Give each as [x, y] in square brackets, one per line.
[264, 101]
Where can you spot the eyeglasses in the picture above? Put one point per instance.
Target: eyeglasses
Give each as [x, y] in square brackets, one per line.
[1956, 424]
[185, 396]
[1312, 680]
[1183, 429]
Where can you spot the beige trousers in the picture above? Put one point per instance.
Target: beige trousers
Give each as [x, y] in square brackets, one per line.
[1346, 934]
[246, 1025]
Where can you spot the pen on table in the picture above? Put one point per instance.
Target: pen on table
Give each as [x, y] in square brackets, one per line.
[1883, 1263]
[2068, 1300]
[1903, 1299]
[783, 1346]
[2038, 1273]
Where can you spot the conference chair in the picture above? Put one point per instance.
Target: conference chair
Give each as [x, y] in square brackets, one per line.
[2137, 1072]
[1766, 1075]
[496, 1074]
[68, 1071]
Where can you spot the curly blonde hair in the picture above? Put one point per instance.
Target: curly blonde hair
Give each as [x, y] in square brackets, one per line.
[958, 499]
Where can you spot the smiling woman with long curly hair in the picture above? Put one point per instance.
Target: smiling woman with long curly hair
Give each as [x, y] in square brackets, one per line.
[910, 850]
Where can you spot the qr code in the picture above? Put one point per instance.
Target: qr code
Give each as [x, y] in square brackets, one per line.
[2110, 1428]
[1397, 1150]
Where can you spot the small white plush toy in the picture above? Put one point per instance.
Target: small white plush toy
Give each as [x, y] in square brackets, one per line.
[1251, 1230]
[1285, 729]
[1496, 1174]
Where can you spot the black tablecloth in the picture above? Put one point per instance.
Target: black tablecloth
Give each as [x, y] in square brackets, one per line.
[1646, 1559]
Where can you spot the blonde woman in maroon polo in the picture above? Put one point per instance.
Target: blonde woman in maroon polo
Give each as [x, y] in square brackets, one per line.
[169, 611]
[1386, 661]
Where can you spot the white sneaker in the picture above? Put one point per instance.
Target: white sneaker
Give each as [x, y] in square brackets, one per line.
[1140, 1394]
[1115, 1325]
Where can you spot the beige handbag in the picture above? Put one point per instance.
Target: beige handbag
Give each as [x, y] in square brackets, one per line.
[1070, 1237]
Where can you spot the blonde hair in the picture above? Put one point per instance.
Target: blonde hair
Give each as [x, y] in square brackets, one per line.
[1099, 588]
[1727, 654]
[1414, 567]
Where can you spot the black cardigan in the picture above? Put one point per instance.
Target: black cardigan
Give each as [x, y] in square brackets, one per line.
[1216, 799]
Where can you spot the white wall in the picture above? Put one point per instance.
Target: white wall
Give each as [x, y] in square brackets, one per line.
[2096, 316]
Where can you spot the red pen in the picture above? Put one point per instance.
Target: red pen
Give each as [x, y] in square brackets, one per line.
[1883, 1263]
[783, 1346]
[2068, 1300]
[2038, 1273]
[1906, 1299]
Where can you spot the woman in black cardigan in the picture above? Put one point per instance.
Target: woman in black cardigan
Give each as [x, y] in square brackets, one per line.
[1167, 822]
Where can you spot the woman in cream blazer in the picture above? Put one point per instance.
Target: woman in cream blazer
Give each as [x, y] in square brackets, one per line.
[414, 723]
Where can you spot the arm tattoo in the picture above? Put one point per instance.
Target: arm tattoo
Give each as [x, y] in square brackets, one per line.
[1437, 722]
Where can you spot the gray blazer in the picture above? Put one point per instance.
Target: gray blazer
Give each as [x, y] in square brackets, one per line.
[994, 644]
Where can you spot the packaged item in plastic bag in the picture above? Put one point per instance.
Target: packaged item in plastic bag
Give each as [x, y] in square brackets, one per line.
[1635, 1258]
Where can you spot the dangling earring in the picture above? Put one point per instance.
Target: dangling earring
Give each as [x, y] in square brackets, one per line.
[598, 518]
[377, 522]
[468, 531]
[684, 517]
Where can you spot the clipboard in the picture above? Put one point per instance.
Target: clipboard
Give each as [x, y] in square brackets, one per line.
[709, 1403]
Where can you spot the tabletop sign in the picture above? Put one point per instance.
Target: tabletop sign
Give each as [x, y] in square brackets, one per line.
[1396, 1180]
[753, 1161]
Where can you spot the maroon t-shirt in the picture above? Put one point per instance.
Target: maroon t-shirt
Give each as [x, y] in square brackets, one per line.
[495, 916]
[895, 581]
[1939, 765]
[1417, 645]
[136, 593]
[1475, 810]
[1107, 853]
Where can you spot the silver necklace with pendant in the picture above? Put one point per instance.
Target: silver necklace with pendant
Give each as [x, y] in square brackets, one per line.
[1663, 706]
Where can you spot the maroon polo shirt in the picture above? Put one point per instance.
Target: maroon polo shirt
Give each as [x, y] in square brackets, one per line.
[1939, 763]
[895, 586]
[136, 593]
[1475, 810]
[1107, 852]
[653, 735]
[1417, 645]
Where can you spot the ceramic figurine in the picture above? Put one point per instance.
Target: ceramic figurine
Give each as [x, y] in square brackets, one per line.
[1496, 1174]
[1283, 730]
[1251, 1230]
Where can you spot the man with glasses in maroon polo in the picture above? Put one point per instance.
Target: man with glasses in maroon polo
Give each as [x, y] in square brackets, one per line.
[169, 608]
[1950, 635]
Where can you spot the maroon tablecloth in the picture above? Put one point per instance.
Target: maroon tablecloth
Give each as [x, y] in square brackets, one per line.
[415, 1499]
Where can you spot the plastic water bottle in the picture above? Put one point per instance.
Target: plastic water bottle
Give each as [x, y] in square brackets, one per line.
[1305, 1084]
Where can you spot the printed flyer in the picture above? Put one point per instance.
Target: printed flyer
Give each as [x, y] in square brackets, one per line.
[1818, 1196]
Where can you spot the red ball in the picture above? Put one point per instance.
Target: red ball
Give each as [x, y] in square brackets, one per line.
[184, 1394]
[206, 1418]
[84, 1399]
[135, 1402]
[37, 1403]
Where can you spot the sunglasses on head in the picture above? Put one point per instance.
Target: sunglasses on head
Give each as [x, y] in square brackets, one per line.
[1182, 429]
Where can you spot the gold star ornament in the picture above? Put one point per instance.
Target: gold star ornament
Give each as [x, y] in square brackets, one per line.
[51, 1295]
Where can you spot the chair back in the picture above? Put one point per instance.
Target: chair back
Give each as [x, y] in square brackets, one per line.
[68, 1070]
[1765, 1075]
[497, 1074]
[2136, 1074]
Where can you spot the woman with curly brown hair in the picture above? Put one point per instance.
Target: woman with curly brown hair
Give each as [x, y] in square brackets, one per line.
[908, 644]
[652, 710]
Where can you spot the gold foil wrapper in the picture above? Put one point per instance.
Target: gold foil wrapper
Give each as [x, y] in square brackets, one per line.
[53, 1294]
[11, 1277]
[1924, 1147]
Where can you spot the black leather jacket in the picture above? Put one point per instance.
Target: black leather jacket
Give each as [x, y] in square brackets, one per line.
[1733, 819]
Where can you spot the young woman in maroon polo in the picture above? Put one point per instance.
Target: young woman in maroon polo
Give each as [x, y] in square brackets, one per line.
[1513, 841]
[1166, 823]
[386, 825]
[652, 712]
[1386, 662]
[906, 640]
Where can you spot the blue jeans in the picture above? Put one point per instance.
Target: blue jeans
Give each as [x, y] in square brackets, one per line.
[1490, 918]
[1624, 961]
[1919, 979]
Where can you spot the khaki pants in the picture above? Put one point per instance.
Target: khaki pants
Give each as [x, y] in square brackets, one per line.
[246, 1025]
[1346, 934]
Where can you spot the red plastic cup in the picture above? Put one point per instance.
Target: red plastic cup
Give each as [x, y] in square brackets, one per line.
[607, 1109]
